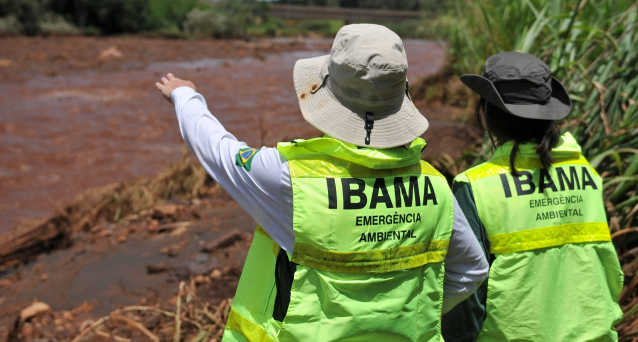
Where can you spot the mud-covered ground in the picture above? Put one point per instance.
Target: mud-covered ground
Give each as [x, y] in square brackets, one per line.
[78, 114]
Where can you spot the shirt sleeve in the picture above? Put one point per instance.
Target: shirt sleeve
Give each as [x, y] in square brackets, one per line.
[465, 264]
[260, 183]
[464, 322]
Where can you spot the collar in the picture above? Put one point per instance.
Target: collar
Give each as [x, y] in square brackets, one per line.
[567, 147]
[369, 157]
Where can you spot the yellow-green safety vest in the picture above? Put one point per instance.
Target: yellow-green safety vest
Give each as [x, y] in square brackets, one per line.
[555, 274]
[371, 227]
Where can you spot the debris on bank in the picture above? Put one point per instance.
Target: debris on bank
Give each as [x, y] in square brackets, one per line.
[198, 312]
[27, 241]
[156, 202]
[164, 206]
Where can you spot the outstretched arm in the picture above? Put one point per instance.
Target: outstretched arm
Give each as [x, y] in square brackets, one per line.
[257, 179]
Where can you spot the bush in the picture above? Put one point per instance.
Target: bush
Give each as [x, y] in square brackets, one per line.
[9, 26]
[168, 15]
[261, 11]
[227, 20]
[323, 27]
[270, 28]
[110, 16]
[27, 12]
[207, 23]
[53, 24]
[411, 28]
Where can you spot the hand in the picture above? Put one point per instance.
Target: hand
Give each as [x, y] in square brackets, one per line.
[169, 83]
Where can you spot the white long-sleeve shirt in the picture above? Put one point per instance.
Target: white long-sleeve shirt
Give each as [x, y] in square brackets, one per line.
[266, 193]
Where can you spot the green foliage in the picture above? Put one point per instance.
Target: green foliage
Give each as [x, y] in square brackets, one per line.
[170, 13]
[215, 24]
[400, 5]
[272, 27]
[411, 28]
[226, 20]
[52, 24]
[477, 29]
[405, 5]
[331, 3]
[232, 19]
[27, 13]
[181, 18]
[110, 16]
[105, 16]
[322, 27]
[10, 25]
[275, 27]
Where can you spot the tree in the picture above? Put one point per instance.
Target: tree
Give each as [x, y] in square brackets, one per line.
[110, 16]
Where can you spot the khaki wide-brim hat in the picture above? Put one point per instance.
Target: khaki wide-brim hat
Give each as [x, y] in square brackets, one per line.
[365, 73]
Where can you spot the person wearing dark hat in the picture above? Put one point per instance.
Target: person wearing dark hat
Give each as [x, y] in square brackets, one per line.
[359, 239]
[537, 207]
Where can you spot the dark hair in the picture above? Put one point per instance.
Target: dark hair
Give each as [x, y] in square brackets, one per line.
[505, 127]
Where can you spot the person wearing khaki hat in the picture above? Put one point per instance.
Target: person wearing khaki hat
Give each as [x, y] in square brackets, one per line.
[537, 205]
[358, 238]
[363, 81]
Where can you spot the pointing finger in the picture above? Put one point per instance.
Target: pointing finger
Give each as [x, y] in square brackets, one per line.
[170, 76]
[164, 80]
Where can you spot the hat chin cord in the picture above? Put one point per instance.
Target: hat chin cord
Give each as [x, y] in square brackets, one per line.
[481, 111]
[368, 126]
[369, 123]
[370, 116]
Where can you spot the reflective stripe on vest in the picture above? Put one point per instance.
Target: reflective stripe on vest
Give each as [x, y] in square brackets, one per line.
[249, 329]
[374, 261]
[528, 240]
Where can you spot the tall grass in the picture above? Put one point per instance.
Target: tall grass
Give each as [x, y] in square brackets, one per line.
[591, 47]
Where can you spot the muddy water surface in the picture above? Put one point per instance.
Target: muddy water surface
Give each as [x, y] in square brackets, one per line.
[64, 131]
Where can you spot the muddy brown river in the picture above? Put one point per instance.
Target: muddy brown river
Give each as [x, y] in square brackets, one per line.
[64, 131]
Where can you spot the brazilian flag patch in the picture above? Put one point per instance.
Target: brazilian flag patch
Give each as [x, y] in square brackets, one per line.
[245, 157]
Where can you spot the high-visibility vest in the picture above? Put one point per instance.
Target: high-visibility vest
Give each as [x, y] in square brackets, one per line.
[555, 274]
[372, 227]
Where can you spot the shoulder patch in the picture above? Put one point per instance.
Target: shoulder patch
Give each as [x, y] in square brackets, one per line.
[245, 157]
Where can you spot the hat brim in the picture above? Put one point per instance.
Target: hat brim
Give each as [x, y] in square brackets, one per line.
[324, 111]
[558, 106]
